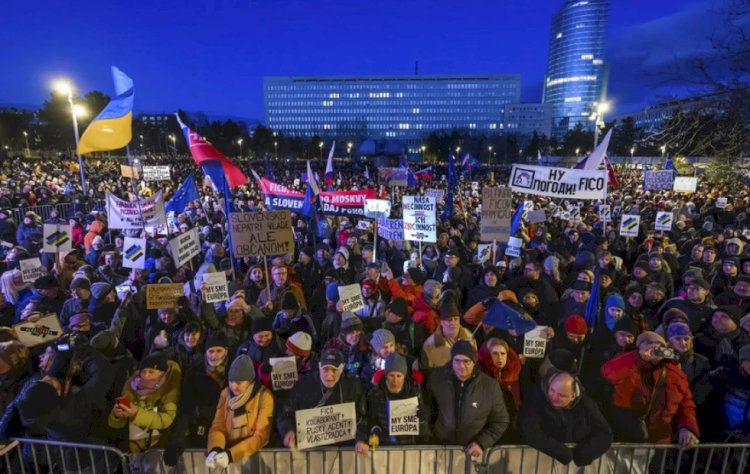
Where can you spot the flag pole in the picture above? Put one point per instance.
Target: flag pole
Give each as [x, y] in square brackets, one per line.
[135, 189]
[375, 242]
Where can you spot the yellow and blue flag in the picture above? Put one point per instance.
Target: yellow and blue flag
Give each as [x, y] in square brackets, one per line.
[112, 129]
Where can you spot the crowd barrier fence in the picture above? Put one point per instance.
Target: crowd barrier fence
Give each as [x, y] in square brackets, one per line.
[64, 209]
[42, 456]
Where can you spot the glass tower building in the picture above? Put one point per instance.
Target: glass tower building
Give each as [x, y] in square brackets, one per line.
[576, 74]
[400, 107]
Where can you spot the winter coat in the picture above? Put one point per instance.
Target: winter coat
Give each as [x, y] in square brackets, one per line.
[470, 411]
[409, 336]
[276, 295]
[634, 382]
[71, 306]
[425, 315]
[507, 377]
[696, 368]
[697, 313]
[436, 351]
[285, 326]
[261, 354]
[378, 399]
[97, 228]
[259, 412]
[355, 357]
[548, 429]
[720, 349]
[407, 292]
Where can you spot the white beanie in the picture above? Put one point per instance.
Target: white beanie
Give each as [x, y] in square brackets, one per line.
[344, 252]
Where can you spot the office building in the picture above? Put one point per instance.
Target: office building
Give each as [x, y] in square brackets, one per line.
[525, 119]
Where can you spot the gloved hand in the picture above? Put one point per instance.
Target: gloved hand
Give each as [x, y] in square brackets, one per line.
[222, 459]
[171, 455]
[211, 460]
[374, 441]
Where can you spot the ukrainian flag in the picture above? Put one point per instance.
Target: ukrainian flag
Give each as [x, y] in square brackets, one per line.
[112, 128]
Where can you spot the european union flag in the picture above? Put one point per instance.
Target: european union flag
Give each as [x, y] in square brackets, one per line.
[593, 304]
[187, 192]
[448, 210]
[502, 316]
[515, 222]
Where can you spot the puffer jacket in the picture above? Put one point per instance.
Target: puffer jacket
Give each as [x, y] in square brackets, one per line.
[425, 314]
[436, 350]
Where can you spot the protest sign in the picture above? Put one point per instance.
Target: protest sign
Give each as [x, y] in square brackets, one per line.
[664, 221]
[163, 295]
[377, 208]
[185, 246]
[31, 269]
[346, 203]
[391, 229]
[514, 247]
[535, 216]
[129, 171]
[559, 182]
[364, 225]
[296, 182]
[475, 185]
[402, 417]
[420, 220]
[721, 202]
[393, 176]
[350, 297]
[497, 207]
[629, 226]
[438, 194]
[657, 180]
[325, 425]
[45, 329]
[134, 253]
[535, 342]
[605, 213]
[685, 184]
[574, 214]
[283, 372]
[57, 238]
[216, 287]
[126, 214]
[156, 173]
[261, 233]
[484, 252]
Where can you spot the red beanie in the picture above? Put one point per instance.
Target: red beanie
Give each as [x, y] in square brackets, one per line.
[575, 324]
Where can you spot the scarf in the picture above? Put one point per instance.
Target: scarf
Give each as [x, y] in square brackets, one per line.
[144, 388]
[237, 403]
[218, 372]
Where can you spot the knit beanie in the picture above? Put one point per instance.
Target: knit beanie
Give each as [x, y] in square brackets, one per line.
[464, 347]
[649, 337]
[344, 252]
[627, 325]
[733, 311]
[300, 343]
[241, 369]
[575, 324]
[332, 292]
[103, 340]
[399, 307]
[289, 301]
[41, 398]
[80, 284]
[416, 275]
[217, 339]
[615, 301]
[350, 322]
[154, 361]
[674, 314]
[100, 289]
[262, 325]
[432, 287]
[380, 338]
[678, 329]
[395, 363]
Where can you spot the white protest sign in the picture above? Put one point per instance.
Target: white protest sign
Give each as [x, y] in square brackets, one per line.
[364, 225]
[438, 194]
[721, 202]
[325, 425]
[514, 247]
[31, 269]
[45, 329]
[351, 297]
[484, 252]
[403, 419]
[536, 216]
[296, 182]
[134, 253]
[377, 208]
[185, 246]
[685, 184]
[559, 182]
[283, 372]
[605, 213]
[420, 220]
[57, 238]
[127, 215]
[216, 287]
[535, 342]
[391, 229]
[664, 221]
[474, 185]
[156, 173]
[575, 214]
[629, 226]
[497, 208]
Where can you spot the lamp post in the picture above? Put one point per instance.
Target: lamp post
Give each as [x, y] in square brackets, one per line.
[422, 150]
[320, 145]
[64, 87]
[26, 139]
[578, 150]
[276, 150]
[489, 154]
[174, 144]
[239, 142]
[349, 149]
[600, 108]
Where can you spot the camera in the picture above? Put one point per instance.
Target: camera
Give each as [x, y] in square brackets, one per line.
[69, 341]
[665, 353]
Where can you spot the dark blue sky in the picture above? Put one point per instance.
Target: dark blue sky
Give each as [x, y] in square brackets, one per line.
[211, 55]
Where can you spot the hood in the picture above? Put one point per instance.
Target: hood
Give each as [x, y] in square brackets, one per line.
[509, 374]
[97, 227]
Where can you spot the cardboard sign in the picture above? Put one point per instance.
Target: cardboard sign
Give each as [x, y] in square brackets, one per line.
[721, 202]
[129, 171]
[403, 419]
[261, 233]
[559, 182]
[391, 229]
[31, 269]
[134, 253]
[629, 226]
[351, 297]
[377, 208]
[536, 216]
[664, 220]
[420, 219]
[57, 238]
[156, 173]
[484, 252]
[321, 426]
[46, 329]
[163, 295]
[514, 247]
[283, 372]
[497, 208]
[216, 288]
[185, 246]
[605, 213]
[535, 342]
[685, 184]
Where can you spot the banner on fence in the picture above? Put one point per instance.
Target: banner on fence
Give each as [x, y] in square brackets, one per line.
[31, 269]
[559, 182]
[216, 287]
[391, 229]
[657, 180]
[185, 246]
[45, 329]
[134, 253]
[664, 221]
[351, 297]
[283, 372]
[685, 184]
[321, 426]
[402, 417]
[156, 173]
[163, 295]
[57, 238]
[535, 342]
[420, 219]
[126, 215]
[261, 233]
[629, 226]
[497, 208]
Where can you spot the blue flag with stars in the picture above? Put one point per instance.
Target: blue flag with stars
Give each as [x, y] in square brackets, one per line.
[502, 316]
[594, 303]
[187, 192]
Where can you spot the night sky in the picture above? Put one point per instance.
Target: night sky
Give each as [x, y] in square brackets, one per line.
[212, 55]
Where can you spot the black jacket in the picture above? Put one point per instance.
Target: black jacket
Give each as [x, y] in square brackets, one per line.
[377, 412]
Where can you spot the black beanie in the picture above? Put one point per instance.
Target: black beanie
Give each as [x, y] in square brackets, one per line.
[154, 361]
[289, 301]
[217, 339]
[399, 307]
[464, 347]
[261, 325]
[41, 398]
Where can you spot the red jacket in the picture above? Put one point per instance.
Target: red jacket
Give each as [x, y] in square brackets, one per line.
[508, 376]
[674, 405]
[407, 292]
[425, 315]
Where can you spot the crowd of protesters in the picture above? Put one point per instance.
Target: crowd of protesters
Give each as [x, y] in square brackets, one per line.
[665, 360]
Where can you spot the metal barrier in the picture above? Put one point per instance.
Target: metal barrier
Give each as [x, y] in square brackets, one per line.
[64, 209]
[43, 456]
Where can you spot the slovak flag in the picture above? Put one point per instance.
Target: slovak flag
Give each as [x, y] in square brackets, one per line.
[424, 174]
[329, 167]
[611, 172]
[594, 160]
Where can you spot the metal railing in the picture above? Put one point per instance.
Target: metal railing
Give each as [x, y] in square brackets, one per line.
[43, 456]
[64, 209]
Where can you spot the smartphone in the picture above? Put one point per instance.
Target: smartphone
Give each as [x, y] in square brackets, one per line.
[123, 401]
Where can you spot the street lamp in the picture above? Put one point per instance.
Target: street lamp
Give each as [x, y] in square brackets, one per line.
[663, 150]
[578, 150]
[320, 145]
[489, 154]
[174, 144]
[458, 150]
[141, 137]
[65, 88]
[239, 142]
[349, 149]
[276, 150]
[26, 139]
[600, 108]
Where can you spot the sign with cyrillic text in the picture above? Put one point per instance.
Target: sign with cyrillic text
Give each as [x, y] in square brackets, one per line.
[559, 182]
